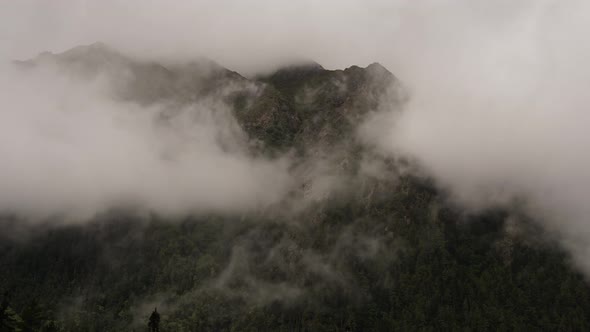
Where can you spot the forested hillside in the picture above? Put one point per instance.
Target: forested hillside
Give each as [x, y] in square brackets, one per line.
[372, 243]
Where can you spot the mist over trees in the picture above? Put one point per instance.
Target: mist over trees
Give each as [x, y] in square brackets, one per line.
[189, 166]
[357, 241]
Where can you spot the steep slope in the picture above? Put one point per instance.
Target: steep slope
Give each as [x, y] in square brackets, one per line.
[330, 103]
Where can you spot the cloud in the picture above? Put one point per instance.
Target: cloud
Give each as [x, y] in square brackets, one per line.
[245, 36]
[68, 146]
[499, 108]
[498, 105]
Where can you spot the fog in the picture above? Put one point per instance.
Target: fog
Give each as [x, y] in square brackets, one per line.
[497, 108]
[70, 148]
[498, 111]
[244, 36]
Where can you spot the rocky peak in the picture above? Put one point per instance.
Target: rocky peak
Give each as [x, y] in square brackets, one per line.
[297, 105]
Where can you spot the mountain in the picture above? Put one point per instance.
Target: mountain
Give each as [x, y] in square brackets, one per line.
[292, 105]
[387, 251]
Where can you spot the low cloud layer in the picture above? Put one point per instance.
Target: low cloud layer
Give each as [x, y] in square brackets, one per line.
[497, 110]
[68, 146]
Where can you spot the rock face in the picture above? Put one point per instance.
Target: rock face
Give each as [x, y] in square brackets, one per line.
[329, 103]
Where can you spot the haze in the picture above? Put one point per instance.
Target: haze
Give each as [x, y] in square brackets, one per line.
[498, 90]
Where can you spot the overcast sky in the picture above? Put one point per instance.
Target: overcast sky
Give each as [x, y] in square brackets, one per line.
[243, 34]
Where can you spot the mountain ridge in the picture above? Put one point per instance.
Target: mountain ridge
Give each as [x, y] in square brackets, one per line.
[322, 104]
[385, 249]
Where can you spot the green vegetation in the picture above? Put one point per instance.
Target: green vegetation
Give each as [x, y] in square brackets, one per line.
[401, 263]
[388, 255]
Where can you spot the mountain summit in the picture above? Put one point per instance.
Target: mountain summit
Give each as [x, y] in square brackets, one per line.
[294, 105]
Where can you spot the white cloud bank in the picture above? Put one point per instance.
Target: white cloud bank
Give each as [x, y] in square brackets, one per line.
[499, 92]
[68, 146]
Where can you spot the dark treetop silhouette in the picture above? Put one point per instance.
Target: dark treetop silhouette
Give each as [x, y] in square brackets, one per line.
[154, 323]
